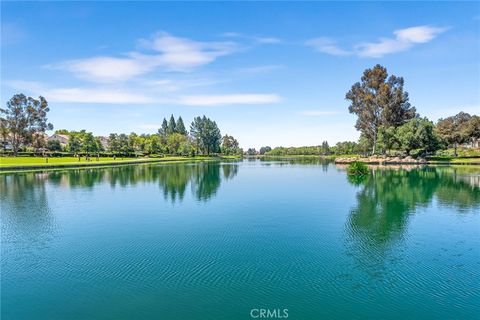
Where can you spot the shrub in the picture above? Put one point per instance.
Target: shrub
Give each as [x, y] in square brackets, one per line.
[357, 168]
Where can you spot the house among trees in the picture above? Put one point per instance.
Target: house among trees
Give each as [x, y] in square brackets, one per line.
[103, 142]
[61, 138]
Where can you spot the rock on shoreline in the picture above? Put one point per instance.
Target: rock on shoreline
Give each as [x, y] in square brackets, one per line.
[383, 160]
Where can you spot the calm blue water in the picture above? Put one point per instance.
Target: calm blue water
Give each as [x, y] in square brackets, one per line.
[216, 240]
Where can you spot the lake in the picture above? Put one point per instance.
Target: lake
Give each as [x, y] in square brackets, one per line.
[224, 240]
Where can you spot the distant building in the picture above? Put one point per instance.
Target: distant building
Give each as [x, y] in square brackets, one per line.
[62, 138]
[5, 144]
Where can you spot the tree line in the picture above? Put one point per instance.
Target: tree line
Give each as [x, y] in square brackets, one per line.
[24, 121]
[388, 123]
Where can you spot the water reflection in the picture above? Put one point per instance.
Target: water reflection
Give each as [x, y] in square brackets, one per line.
[24, 205]
[173, 180]
[281, 161]
[388, 196]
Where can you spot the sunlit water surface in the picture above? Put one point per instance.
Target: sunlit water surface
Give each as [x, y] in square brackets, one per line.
[216, 240]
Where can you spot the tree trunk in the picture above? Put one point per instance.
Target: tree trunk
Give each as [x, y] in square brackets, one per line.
[455, 146]
[15, 145]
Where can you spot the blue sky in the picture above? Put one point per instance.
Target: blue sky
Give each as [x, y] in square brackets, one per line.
[269, 73]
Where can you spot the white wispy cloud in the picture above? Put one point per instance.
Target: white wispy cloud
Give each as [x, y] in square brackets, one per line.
[257, 39]
[106, 69]
[93, 95]
[227, 99]
[328, 46]
[403, 40]
[182, 54]
[318, 113]
[105, 95]
[267, 40]
[125, 95]
[260, 69]
[164, 51]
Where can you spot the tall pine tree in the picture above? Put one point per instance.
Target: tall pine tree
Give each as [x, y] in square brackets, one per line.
[171, 125]
[180, 127]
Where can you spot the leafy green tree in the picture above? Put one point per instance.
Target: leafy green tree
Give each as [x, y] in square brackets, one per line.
[4, 133]
[62, 131]
[264, 150]
[180, 127]
[124, 145]
[113, 143]
[98, 145]
[206, 135]
[152, 144]
[174, 142]
[345, 147]
[379, 100]
[387, 138]
[88, 143]
[419, 134]
[172, 126]
[23, 117]
[251, 151]
[363, 146]
[74, 143]
[454, 130]
[38, 142]
[325, 148]
[133, 142]
[229, 145]
[473, 129]
[54, 145]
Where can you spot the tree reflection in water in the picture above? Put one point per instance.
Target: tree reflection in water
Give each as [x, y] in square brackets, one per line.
[173, 179]
[389, 195]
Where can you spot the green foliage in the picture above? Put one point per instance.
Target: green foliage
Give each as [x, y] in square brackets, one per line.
[251, 152]
[54, 145]
[163, 130]
[172, 138]
[387, 138]
[418, 134]
[357, 168]
[230, 145]
[178, 144]
[180, 127]
[172, 126]
[379, 100]
[325, 148]
[23, 119]
[74, 143]
[458, 129]
[206, 135]
[84, 142]
[264, 150]
[345, 147]
[290, 151]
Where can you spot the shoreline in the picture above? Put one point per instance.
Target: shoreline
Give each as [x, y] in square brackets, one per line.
[99, 164]
[346, 159]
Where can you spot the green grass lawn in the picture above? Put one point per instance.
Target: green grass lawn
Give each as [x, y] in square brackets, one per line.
[453, 160]
[8, 162]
